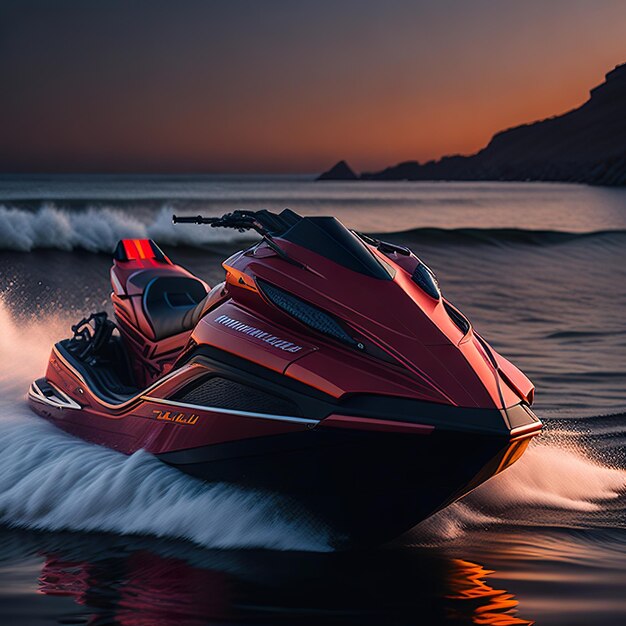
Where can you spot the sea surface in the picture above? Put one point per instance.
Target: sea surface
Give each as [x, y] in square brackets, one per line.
[89, 536]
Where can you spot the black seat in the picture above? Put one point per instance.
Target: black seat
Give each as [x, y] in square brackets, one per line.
[172, 304]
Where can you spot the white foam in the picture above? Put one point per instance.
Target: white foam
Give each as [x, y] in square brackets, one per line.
[98, 229]
[554, 475]
[555, 483]
[50, 480]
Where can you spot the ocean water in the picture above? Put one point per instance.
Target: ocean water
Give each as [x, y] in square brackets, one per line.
[89, 536]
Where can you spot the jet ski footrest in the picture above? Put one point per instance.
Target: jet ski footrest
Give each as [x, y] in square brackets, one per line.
[45, 392]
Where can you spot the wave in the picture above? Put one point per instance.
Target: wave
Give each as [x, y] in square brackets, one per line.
[502, 236]
[97, 229]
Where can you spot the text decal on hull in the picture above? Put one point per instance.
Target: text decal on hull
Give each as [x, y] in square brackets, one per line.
[246, 329]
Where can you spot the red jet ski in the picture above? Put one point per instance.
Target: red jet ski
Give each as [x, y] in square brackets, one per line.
[327, 367]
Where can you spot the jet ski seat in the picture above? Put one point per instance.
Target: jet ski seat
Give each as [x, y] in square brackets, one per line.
[156, 304]
[173, 304]
[152, 295]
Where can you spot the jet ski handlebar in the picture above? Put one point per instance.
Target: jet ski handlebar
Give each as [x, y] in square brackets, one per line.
[240, 220]
[198, 219]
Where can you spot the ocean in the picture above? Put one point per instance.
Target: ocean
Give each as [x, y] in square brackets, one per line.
[89, 536]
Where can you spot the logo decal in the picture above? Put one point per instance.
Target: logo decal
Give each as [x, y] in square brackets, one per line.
[277, 342]
[175, 416]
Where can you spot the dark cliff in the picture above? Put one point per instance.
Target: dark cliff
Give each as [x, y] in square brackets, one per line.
[586, 145]
[339, 171]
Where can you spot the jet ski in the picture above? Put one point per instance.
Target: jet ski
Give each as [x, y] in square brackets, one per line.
[327, 367]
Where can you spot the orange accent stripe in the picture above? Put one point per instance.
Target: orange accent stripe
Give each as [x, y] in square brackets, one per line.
[238, 278]
[137, 243]
[515, 450]
[138, 249]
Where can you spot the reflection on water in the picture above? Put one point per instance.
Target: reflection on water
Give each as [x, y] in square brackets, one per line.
[486, 605]
[142, 582]
[557, 577]
[515, 578]
[140, 589]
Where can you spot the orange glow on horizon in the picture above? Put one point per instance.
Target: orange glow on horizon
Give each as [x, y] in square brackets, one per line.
[377, 136]
[291, 88]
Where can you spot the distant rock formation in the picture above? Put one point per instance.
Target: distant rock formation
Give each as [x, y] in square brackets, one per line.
[339, 171]
[585, 145]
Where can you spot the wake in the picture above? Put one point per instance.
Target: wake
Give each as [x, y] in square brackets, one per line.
[557, 483]
[52, 481]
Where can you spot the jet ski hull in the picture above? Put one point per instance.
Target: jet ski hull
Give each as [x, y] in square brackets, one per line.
[365, 479]
[366, 487]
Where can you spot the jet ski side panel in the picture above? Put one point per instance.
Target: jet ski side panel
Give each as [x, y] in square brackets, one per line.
[414, 329]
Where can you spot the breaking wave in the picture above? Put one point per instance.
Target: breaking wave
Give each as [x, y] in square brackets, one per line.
[98, 229]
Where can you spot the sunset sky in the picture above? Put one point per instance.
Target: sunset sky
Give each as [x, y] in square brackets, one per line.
[286, 86]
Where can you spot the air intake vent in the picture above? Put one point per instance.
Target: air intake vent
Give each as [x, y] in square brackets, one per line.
[458, 318]
[425, 279]
[306, 313]
[228, 394]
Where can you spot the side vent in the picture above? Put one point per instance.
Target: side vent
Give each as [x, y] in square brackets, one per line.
[228, 394]
[307, 314]
[457, 317]
[424, 278]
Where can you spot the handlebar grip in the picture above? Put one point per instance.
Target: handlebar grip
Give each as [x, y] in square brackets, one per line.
[230, 220]
[198, 219]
